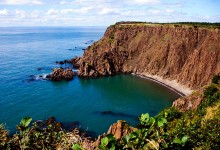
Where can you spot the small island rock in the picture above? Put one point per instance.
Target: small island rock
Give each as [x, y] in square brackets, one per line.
[59, 74]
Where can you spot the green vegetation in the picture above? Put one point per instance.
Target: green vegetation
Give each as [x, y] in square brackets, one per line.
[111, 38]
[171, 129]
[48, 135]
[216, 79]
[175, 24]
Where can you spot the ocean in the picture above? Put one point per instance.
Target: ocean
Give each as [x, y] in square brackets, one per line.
[92, 104]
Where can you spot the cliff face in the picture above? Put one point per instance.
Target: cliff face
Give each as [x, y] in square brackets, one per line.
[189, 55]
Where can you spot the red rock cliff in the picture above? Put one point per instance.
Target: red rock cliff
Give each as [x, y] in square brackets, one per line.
[190, 55]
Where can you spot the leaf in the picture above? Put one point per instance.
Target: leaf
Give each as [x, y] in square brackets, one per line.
[126, 139]
[161, 122]
[101, 147]
[76, 147]
[37, 134]
[184, 139]
[177, 141]
[133, 135]
[144, 118]
[110, 137]
[25, 121]
[151, 121]
[104, 141]
[113, 147]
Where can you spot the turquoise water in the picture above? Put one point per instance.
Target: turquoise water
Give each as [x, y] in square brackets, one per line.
[93, 103]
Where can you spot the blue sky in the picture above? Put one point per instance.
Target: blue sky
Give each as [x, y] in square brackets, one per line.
[104, 12]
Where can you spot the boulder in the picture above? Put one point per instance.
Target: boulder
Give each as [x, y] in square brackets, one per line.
[59, 74]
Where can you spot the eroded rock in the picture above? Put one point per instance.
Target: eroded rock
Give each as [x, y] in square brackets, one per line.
[59, 74]
[76, 61]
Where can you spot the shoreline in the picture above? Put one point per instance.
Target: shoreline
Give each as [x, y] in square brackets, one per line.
[170, 84]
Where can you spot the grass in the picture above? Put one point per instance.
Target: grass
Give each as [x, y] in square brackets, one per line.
[175, 24]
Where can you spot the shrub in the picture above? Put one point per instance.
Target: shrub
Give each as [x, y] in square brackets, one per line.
[3, 136]
[210, 90]
[216, 79]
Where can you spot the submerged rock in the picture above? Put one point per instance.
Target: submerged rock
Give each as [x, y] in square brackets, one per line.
[59, 74]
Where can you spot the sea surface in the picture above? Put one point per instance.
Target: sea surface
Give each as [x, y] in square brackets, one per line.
[92, 104]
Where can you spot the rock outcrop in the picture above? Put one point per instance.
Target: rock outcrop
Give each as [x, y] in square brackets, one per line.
[59, 74]
[75, 62]
[190, 55]
[190, 102]
[118, 130]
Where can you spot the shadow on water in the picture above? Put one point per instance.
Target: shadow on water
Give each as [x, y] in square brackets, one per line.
[115, 114]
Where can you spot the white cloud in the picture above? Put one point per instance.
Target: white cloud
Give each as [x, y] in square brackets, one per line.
[154, 11]
[94, 12]
[82, 10]
[169, 10]
[52, 12]
[35, 14]
[4, 12]
[36, 2]
[20, 14]
[20, 2]
[67, 11]
[142, 2]
[63, 2]
[109, 11]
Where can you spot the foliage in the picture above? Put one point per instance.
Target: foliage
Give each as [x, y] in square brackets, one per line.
[210, 90]
[3, 136]
[111, 38]
[41, 135]
[176, 24]
[216, 79]
[109, 143]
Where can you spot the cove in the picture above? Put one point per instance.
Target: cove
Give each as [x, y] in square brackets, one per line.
[94, 104]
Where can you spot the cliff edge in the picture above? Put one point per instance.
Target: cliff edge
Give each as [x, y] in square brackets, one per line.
[185, 55]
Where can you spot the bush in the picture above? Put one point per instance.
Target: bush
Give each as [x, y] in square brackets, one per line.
[216, 79]
[3, 136]
[210, 90]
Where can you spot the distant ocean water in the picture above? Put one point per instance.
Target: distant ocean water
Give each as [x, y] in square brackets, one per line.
[94, 103]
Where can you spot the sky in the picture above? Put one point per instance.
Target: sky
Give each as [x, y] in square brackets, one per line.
[105, 12]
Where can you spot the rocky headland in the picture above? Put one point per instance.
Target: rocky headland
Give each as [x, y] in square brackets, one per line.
[184, 57]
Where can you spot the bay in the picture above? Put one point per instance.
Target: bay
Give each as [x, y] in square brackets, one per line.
[93, 103]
